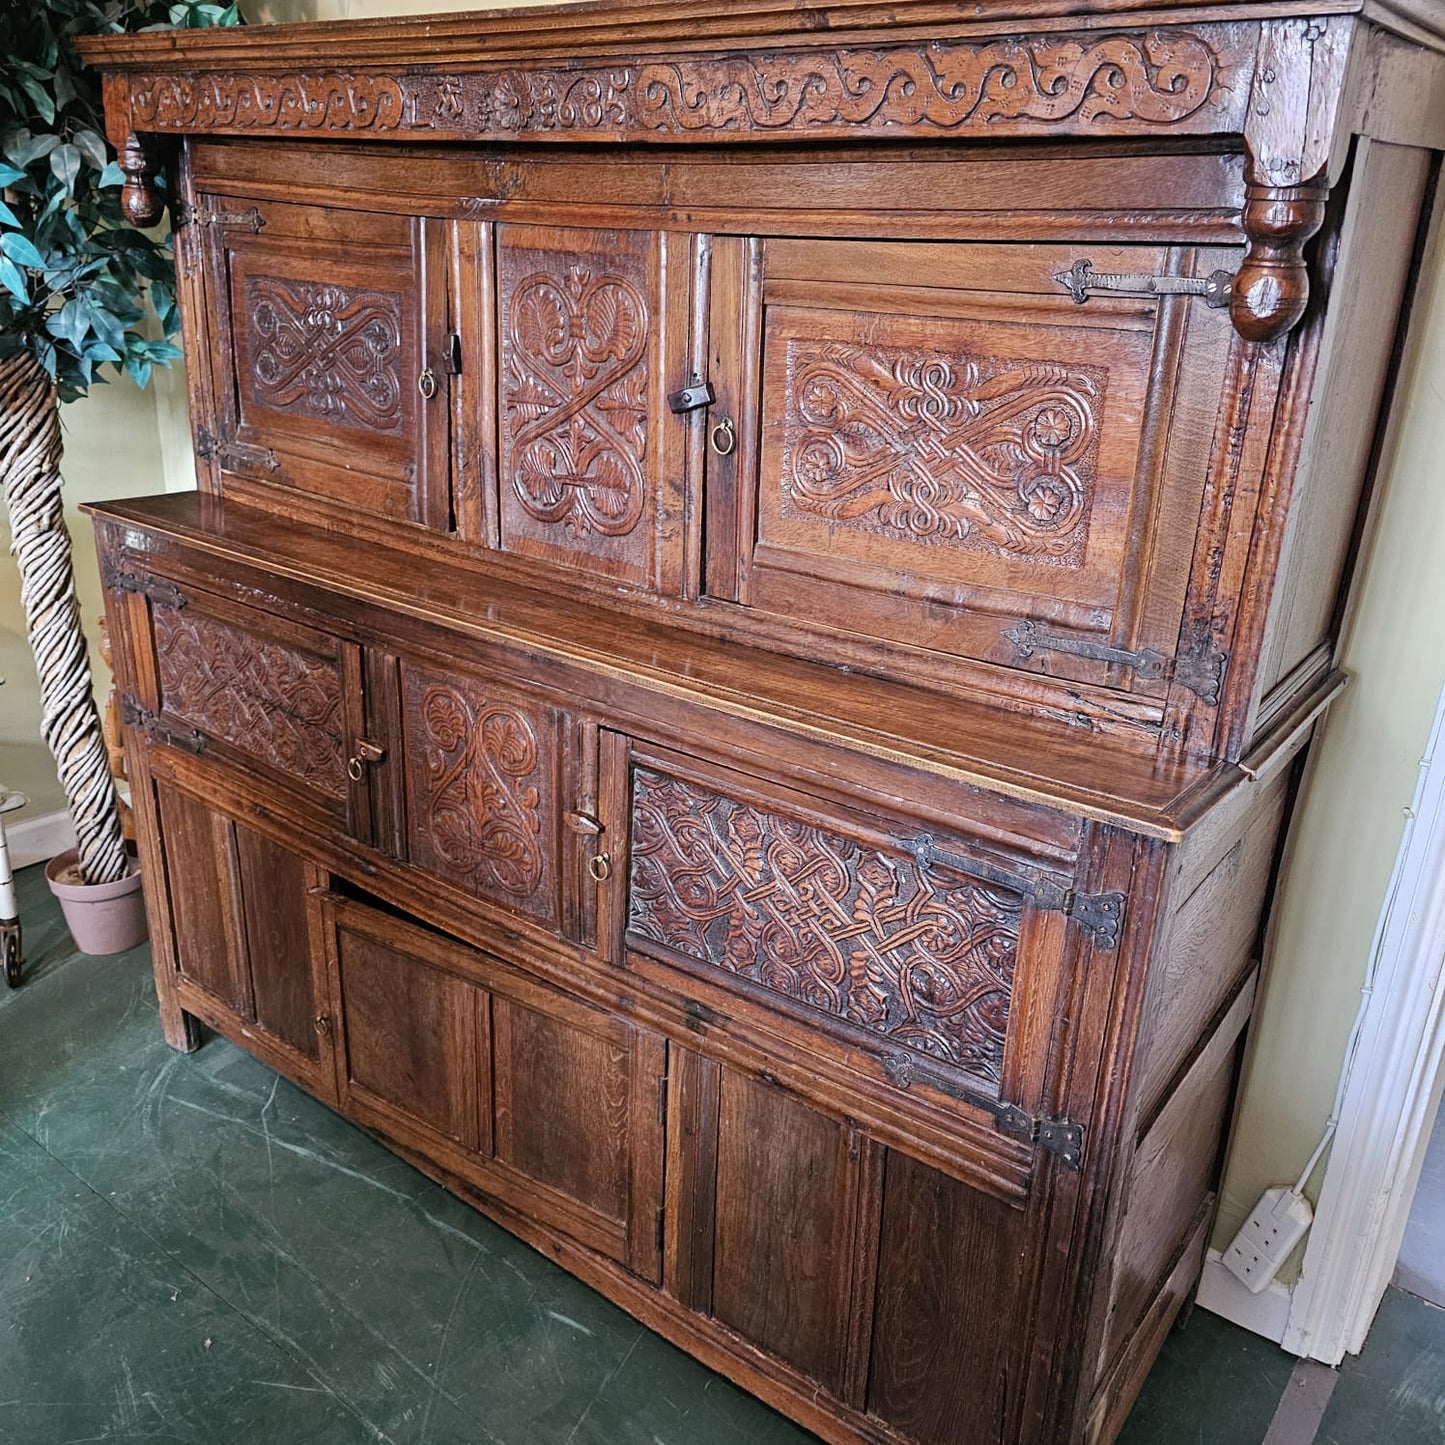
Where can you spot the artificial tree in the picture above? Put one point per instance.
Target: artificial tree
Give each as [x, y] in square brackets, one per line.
[81, 290]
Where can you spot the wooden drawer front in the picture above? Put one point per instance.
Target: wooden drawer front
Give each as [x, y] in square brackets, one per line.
[827, 915]
[332, 317]
[244, 932]
[250, 686]
[548, 1104]
[482, 764]
[950, 447]
[589, 344]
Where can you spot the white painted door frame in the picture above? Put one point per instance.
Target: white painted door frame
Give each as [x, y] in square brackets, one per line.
[1389, 1105]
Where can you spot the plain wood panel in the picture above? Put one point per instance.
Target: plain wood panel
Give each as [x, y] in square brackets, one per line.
[951, 1265]
[410, 1034]
[278, 944]
[199, 873]
[786, 1214]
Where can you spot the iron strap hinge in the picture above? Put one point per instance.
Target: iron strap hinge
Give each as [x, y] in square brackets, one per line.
[1059, 1137]
[251, 218]
[1100, 915]
[166, 593]
[1081, 279]
[134, 715]
[230, 453]
[1202, 673]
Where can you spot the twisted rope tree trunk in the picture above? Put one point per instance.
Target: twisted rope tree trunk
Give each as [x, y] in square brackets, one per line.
[30, 461]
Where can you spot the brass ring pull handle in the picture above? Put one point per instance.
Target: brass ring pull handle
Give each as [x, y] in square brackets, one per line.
[599, 865]
[426, 383]
[365, 753]
[723, 437]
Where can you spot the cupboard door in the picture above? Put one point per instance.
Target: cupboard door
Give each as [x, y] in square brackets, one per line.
[592, 334]
[272, 696]
[332, 372]
[954, 456]
[547, 1104]
[245, 935]
[483, 763]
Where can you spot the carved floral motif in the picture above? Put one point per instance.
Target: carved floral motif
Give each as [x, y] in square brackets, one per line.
[575, 402]
[263, 697]
[947, 448]
[326, 352]
[474, 769]
[919, 956]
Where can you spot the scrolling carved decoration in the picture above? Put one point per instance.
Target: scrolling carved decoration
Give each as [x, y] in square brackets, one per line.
[326, 352]
[267, 699]
[951, 449]
[575, 425]
[916, 955]
[474, 769]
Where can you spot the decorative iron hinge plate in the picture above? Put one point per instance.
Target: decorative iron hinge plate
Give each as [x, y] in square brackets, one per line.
[1055, 1136]
[1200, 669]
[1101, 915]
[134, 715]
[251, 218]
[117, 579]
[1081, 279]
[230, 454]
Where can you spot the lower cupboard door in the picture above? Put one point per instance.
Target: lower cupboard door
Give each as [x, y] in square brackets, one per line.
[245, 936]
[899, 1290]
[545, 1104]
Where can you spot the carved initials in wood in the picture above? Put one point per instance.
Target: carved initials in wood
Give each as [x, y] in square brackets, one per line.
[917, 955]
[325, 351]
[942, 448]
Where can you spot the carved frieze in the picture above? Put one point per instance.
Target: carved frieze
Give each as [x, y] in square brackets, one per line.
[324, 351]
[917, 955]
[942, 447]
[1105, 84]
[475, 773]
[575, 339]
[273, 701]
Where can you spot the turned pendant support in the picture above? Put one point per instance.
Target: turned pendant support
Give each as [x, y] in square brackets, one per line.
[1272, 288]
[140, 197]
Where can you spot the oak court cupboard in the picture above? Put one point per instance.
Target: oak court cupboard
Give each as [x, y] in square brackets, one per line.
[760, 577]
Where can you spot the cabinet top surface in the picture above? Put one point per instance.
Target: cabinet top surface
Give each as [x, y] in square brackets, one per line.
[1025, 757]
[618, 26]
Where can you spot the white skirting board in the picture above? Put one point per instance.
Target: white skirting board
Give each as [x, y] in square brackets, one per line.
[39, 839]
[1221, 1293]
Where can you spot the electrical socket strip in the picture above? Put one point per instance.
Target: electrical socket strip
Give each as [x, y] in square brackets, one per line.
[1275, 1225]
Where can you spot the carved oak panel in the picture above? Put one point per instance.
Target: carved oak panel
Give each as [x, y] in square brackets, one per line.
[581, 356]
[918, 956]
[271, 699]
[481, 779]
[944, 448]
[326, 351]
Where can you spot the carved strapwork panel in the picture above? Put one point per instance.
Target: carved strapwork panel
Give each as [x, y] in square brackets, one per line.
[590, 456]
[333, 396]
[918, 956]
[983, 453]
[481, 773]
[951, 454]
[272, 693]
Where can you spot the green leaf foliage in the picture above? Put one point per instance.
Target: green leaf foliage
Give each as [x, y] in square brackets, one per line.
[80, 288]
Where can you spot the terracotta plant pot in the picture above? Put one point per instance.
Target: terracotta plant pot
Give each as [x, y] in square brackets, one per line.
[102, 917]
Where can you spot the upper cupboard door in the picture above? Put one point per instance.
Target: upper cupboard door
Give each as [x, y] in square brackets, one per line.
[950, 453]
[332, 379]
[592, 335]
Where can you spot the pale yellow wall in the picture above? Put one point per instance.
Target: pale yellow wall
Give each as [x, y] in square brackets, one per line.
[1362, 777]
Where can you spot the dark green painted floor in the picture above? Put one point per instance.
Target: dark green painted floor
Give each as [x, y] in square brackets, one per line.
[191, 1250]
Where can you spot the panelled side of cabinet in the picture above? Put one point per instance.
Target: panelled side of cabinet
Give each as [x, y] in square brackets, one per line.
[734, 684]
